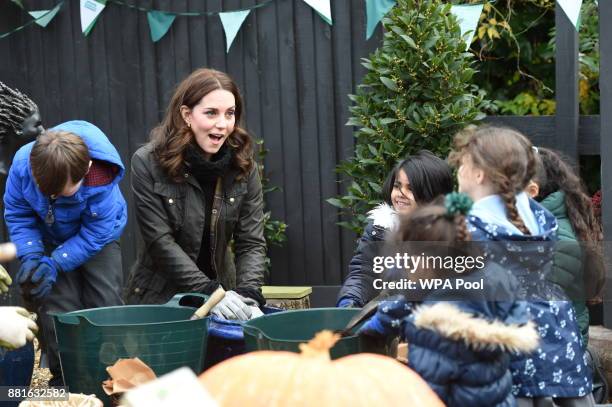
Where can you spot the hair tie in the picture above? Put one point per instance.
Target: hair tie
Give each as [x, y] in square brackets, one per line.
[457, 204]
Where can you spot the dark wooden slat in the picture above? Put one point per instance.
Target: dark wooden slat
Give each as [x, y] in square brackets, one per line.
[153, 108]
[326, 124]
[250, 88]
[306, 22]
[182, 57]
[215, 37]
[64, 23]
[119, 88]
[278, 93]
[83, 83]
[197, 35]
[166, 52]
[51, 41]
[234, 57]
[343, 36]
[605, 89]
[566, 84]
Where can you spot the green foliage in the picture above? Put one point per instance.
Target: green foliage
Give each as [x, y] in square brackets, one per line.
[417, 94]
[274, 230]
[515, 43]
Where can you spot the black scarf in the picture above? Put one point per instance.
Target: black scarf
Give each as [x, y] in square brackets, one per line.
[207, 170]
[206, 173]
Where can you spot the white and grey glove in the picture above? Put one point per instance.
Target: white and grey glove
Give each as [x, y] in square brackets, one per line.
[16, 327]
[233, 306]
[5, 280]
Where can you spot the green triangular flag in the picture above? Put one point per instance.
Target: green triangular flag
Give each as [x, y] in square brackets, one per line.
[572, 10]
[468, 16]
[159, 23]
[232, 21]
[90, 10]
[323, 8]
[376, 10]
[44, 17]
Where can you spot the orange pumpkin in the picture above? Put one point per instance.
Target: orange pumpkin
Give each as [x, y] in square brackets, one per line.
[311, 378]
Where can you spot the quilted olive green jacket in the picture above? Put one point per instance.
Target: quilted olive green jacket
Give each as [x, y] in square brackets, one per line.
[568, 261]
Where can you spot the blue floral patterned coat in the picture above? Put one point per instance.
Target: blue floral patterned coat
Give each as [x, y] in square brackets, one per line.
[558, 367]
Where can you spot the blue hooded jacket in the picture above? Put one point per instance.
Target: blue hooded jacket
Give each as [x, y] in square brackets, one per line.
[83, 223]
[558, 367]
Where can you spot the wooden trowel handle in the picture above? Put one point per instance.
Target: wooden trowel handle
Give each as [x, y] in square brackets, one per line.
[8, 251]
[213, 300]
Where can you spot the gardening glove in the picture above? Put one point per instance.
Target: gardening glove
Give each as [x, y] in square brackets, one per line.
[5, 280]
[44, 277]
[28, 265]
[16, 327]
[233, 306]
[346, 303]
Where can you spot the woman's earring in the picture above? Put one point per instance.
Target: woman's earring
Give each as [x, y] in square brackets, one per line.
[189, 124]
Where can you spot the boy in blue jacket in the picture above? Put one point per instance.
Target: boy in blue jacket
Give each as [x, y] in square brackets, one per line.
[65, 213]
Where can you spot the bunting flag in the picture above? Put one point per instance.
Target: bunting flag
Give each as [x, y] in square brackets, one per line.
[572, 10]
[468, 17]
[232, 21]
[19, 3]
[44, 17]
[376, 10]
[159, 23]
[323, 8]
[90, 10]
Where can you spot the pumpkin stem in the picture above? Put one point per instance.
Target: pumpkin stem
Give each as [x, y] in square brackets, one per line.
[320, 345]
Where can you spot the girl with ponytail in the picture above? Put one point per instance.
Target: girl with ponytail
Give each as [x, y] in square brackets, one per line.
[578, 262]
[460, 343]
[495, 165]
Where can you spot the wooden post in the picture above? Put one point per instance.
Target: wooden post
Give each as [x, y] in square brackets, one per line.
[605, 116]
[566, 84]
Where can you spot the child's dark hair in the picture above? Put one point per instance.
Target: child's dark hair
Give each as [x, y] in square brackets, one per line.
[56, 157]
[560, 176]
[429, 177]
[505, 155]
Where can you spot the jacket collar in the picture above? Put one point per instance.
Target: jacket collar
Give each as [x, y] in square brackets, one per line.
[476, 332]
[384, 216]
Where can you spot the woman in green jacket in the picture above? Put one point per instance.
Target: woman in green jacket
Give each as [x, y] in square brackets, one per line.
[578, 263]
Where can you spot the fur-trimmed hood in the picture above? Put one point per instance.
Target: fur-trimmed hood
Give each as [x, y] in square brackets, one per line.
[384, 216]
[476, 332]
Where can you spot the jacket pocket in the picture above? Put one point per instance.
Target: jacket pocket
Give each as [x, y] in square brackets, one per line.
[232, 201]
[173, 198]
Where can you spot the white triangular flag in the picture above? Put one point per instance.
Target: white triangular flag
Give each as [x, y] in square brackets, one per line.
[572, 10]
[232, 21]
[44, 17]
[90, 10]
[323, 8]
[468, 16]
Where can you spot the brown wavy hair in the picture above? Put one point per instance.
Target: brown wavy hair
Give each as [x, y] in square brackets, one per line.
[505, 155]
[431, 223]
[56, 157]
[172, 136]
[558, 175]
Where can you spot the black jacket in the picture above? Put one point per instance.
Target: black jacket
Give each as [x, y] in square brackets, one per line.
[358, 287]
[171, 218]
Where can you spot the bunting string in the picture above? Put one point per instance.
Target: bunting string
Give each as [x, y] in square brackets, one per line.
[160, 21]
